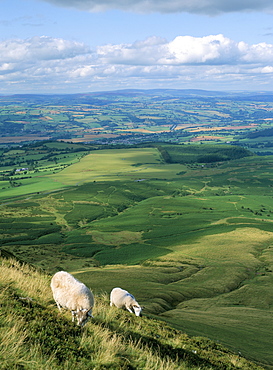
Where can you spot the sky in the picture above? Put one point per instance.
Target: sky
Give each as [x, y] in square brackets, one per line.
[79, 46]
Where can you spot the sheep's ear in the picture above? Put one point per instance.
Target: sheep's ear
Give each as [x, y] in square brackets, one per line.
[141, 307]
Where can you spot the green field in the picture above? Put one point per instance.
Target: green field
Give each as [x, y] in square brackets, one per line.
[109, 165]
[192, 241]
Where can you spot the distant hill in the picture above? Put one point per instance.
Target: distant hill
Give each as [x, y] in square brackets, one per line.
[237, 95]
[261, 133]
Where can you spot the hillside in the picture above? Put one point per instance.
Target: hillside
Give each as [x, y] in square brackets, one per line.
[33, 335]
[192, 241]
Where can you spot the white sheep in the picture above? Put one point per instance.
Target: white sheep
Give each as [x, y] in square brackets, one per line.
[70, 293]
[123, 299]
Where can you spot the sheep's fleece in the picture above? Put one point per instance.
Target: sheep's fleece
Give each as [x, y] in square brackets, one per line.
[70, 293]
[123, 299]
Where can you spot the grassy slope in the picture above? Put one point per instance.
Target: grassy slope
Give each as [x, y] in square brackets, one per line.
[33, 335]
[206, 233]
[115, 164]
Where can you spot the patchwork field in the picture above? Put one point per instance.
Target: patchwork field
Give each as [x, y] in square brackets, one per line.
[134, 116]
[192, 241]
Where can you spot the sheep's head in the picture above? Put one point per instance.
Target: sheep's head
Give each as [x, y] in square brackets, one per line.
[137, 310]
[83, 316]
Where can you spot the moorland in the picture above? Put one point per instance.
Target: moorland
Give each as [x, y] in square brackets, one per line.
[34, 336]
[184, 222]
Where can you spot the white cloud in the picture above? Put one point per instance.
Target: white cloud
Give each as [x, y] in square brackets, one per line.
[267, 69]
[144, 52]
[260, 53]
[42, 56]
[209, 49]
[39, 48]
[213, 49]
[43, 64]
[210, 7]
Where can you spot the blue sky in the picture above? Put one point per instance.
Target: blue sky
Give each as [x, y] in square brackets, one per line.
[68, 46]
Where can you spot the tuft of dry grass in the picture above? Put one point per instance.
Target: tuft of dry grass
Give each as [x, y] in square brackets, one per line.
[33, 283]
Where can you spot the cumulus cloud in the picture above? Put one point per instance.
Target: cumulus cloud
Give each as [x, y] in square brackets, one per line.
[213, 49]
[209, 7]
[37, 55]
[47, 64]
[39, 48]
[149, 51]
[267, 69]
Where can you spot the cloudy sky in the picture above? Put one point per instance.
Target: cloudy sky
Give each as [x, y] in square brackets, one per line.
[67, 46]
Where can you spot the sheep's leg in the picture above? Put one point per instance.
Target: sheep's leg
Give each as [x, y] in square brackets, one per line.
[129, 309]
[74, 313]
[58, 305]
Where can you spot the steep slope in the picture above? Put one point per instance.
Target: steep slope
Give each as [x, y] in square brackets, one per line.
[34, 335]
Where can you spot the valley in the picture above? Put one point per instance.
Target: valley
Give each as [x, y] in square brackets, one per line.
[185, 225]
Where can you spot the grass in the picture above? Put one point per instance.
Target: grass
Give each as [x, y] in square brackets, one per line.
[35, 336]
[222, 290]
[241, 328]
[190, 241]
[113, 165]
[30, 186]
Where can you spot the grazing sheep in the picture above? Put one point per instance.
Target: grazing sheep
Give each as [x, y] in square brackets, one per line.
[123, 299]
[73, 295]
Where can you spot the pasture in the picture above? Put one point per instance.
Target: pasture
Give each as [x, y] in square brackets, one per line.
[192, 242]
[115, 164]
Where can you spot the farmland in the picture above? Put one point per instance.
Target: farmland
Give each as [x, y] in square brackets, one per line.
[196, 237]
[129, 117]
[184, 223]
